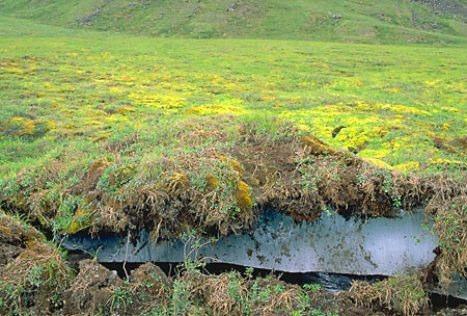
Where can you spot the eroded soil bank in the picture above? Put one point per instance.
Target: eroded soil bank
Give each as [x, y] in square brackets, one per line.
[213, 192]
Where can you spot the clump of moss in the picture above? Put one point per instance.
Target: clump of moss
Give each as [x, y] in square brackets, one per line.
[212, 182]
[81, 220]
[316, 146]
[403, 294]
[19, 126]
[25, 127]
[243, 196]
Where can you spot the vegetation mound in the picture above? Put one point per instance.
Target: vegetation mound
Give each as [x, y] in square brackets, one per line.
[215, 190]
[96, 290]
[403, 294]
[35, 274]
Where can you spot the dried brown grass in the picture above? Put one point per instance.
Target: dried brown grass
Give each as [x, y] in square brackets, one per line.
[403, 294]
[35, 279]
[451, 227]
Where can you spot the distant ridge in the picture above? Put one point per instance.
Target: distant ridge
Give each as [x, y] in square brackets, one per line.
[364, 21]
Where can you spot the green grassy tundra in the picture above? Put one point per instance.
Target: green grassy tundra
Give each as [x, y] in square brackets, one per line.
[182, 115]
[363, 21]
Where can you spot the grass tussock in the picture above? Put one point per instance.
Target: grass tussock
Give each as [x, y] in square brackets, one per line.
[149, 292]
[34, 280]
[231, 294]
[97, 290]
[91, 289]
[14, 236]
[204, 187]
[451, 227]
[402, 294]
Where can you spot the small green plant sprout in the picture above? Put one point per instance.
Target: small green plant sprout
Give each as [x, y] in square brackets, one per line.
[121, 299]
[312, 287]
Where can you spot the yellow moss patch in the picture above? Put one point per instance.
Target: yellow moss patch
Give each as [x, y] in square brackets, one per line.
[19, 126]
[50, 124]
[443, 161]
[243, 195]
[395, 108]
[212, 182]
[355, 138]
[402, 109]
[167, 101]
[177, 181]
[232, 163]
[377, 162]
[116, 89]
[81, 220]
[379, 154]
[232, 107]
[316, 146]
[408, 166]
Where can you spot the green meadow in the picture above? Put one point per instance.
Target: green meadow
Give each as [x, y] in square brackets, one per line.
[402, 107]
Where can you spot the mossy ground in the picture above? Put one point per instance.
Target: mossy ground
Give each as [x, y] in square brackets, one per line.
[111, 132]
[400, 106]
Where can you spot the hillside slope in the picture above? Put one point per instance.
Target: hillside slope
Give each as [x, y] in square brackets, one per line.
[386, 21]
